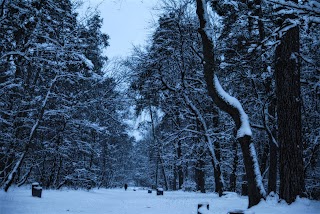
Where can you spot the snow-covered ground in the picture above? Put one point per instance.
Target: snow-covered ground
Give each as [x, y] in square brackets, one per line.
[118, 201]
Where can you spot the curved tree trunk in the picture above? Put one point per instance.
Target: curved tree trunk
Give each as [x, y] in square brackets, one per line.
[233, 107]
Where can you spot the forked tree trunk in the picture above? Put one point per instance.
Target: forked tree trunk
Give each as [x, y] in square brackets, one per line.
[289, 116]
[233, 107]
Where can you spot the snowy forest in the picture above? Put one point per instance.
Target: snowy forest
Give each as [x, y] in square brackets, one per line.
[225, 95]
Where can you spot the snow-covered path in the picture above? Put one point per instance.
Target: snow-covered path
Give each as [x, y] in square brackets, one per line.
[118, 201]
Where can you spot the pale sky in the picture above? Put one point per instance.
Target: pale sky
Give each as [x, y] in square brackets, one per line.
[127, 22]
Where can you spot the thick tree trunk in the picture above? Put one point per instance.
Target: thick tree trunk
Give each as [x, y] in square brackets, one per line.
[231, 106]
[289, 116]
[255, 187]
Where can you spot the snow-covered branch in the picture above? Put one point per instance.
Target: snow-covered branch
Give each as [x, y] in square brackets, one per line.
[234, 102]
[310, 10]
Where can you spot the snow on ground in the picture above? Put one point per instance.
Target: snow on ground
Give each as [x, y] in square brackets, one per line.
[118, 201]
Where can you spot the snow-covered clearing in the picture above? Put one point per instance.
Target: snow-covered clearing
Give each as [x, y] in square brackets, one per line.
[118, 201]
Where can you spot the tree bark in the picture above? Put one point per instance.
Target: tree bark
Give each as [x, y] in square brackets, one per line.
[232, 106]
[287, 73]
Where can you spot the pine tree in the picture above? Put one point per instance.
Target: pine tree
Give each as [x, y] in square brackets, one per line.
[287, 73]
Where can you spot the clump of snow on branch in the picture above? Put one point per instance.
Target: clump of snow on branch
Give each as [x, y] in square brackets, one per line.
[86, 61]
[257, 170]
[244, 120]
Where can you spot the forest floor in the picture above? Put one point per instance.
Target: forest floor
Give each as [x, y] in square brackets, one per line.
[119, 201]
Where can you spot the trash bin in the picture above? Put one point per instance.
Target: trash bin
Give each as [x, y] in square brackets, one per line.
[36, 189]
[159, 191]
[203, 208]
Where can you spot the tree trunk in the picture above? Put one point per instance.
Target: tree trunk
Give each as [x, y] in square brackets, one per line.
[233, 176]
[12, 174]
[180, 169]
[255, 188]
[287, 73]
[174, 179]
[233, 107]
[264, 159]
[200, 175]
[156, 144]
[217, 150]
[217, 177]
[272, 180]
[273, 143]
[163, 172]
